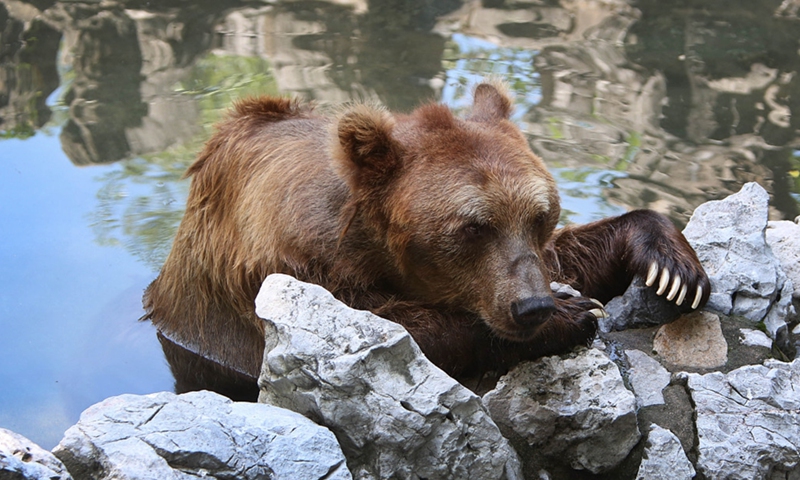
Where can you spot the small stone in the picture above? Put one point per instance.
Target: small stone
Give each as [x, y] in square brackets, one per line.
[664, 458]
[564, 289]
[638, 307]
[647, 378]
[694, 340]
[755, 338]
[21, 459]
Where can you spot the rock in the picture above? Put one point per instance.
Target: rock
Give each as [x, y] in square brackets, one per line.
[647, 378]
[563, 289]
[21, 459]
[784, 239]
[748, 421]
[167, 436]
[638, 307]
[739, 353]
[664, 458]
[676, 415]
[746, 277]
[695, 340]
[755, 338]
[572, 409]
[395, 413]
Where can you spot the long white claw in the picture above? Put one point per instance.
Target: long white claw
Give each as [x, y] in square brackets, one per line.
[651, 274]
[697, 297]
[663, 281]
[598, 313]
[597, 302]
[676, 284]
[681, 296]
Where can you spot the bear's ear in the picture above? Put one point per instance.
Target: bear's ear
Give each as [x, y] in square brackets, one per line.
[363, 147]
[492, 102]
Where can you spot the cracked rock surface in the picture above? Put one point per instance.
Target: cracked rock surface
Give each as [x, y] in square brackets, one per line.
[748, 421]
[166, 436]
[572, 409]
[663, 457]
[647, 378]
[396, 415]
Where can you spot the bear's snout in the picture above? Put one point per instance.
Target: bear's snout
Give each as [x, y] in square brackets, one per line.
[533, 311]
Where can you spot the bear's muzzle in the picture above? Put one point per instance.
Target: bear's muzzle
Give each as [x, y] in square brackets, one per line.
[533, 311]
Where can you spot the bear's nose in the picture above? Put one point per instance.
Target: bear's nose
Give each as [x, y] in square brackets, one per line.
[532, 311]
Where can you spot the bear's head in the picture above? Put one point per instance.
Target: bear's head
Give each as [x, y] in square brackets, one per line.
[463, 207]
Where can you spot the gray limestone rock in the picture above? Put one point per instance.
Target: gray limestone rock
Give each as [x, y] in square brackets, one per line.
[746, 277]
[676, 415]
[564, 289]
[784, 239]
[664, 458]
[638, 307]
[21, 459]
[748, 421]
[165, 436]
[573, 409]
[647, 378]
[395, 413]
[755, 338]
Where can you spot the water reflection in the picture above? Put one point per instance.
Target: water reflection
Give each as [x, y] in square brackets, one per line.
[689, 102]
[334, 52]
[633, 104]
[141, 201]
[27, 74]
[730, 87]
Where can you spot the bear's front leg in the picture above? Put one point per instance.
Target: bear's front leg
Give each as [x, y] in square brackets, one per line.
[601, 258]
[449, 338]
[462, 345]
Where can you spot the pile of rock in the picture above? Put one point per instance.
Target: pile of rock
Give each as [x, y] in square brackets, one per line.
[345, 394]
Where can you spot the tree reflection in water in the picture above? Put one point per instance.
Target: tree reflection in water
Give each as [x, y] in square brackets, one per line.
[653, 104]
[141, 203]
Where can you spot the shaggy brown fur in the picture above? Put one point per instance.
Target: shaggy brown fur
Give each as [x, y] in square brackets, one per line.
[444, 225]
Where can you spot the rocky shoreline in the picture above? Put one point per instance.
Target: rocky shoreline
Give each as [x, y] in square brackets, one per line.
[345, 394]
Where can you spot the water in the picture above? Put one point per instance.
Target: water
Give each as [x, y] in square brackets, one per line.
[651, 104]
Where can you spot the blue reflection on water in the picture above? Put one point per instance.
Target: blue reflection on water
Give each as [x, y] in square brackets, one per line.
[475, 59]
[581, 191]
[68, 307]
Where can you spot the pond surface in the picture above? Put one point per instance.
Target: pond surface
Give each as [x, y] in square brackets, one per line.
[103, 105]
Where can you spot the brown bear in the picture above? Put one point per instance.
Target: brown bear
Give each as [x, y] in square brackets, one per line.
[442, 224]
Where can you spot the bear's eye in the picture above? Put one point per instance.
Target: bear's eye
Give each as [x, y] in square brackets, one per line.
[475, 230]
[540, 227]
[539, 220]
